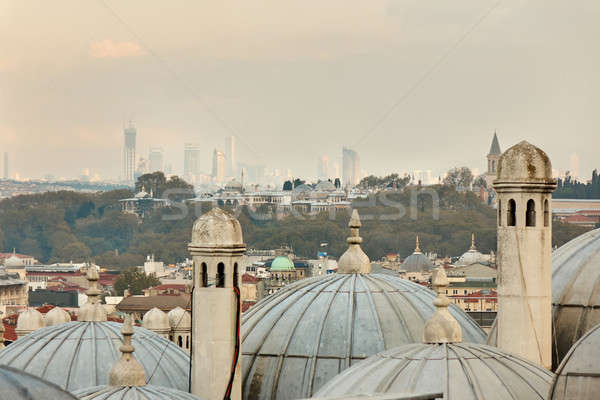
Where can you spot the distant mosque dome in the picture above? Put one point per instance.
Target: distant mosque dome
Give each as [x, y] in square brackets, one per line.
[325, 186]
[217, 228]
[578, 376]
[14, 262]
[575, 298]
[179, 319]
[18, 385]
[442, 364]
[472, 256]
[157, 321]
[57, 316]
[297, 339]
[526, 162]
[303, 188]
[233, 186]
[282, 263]
[417, 261]
[79, 355]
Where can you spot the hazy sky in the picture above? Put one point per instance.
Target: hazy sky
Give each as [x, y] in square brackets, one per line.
[412, 84]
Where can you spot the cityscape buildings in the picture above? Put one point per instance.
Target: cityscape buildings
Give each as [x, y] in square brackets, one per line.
[231, 160]
[191, 162]
[323, 168]
[350, 167]
[156, 159]
[129, 153]
[218, 166]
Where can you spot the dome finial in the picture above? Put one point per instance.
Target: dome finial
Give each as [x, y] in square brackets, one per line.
[354, 260]
[417, 249]
[127, 371]
[473, 242]
[441, 327]
[92, 310]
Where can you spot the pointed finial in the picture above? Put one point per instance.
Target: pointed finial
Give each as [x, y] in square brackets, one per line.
[417, 249]
[127, 371]
[441, 327]
[473, 242]
[92, 310]
[354, 260]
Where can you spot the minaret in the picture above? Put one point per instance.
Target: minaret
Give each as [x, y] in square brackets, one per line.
[473, 247]
[493, 159]
[524, 186]
[217, 249]
[127, 371]
[441, 327]
[354, 260]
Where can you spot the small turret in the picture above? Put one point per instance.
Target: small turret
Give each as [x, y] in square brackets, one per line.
[57, 316]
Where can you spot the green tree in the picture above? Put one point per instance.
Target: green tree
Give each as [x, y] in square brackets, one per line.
[134, 280]
[287, 185]
[460, 178]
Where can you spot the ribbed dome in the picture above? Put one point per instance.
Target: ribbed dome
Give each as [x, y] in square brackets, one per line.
[461, 371]
[472, 256]
[147, 392]
[297, 339]
[578, 376]
[156, 320]
[79, 355]
[217, 228]
[18, 385]
[179, 318]
[524, 162]
[417, 262]
[325, 186]
[29, 321]
[57, 316]
[282, 263]
[575, 294]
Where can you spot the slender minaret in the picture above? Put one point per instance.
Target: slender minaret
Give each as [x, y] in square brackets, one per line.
[217, 249]
[524, 185]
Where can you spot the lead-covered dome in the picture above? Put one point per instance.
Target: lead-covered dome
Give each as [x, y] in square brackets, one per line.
[472, 256]
[524, 162]
[461, 371]
[18, 385]
[417, 261]
[217, 228]
[297, 339]
[578, 376]
[79, 355]
[156, 320]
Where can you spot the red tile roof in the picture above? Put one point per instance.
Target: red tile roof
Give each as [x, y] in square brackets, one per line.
[247, 278]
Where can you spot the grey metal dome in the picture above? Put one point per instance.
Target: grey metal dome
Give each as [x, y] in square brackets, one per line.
[578, 376]
[148, 392]
[18, 385]
[79, 355]
[297, 339]
[575, 294]
[461, 371]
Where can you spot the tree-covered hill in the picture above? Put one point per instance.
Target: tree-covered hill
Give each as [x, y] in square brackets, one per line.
[64, 226]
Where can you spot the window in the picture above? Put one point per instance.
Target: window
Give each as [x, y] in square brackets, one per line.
[179, 341]
[204, 275]
[235, 275]
[187, 342]
[455, 291]
[546, 213]
[499, 214]
[511, 216]
[220, 275]
[530, 213]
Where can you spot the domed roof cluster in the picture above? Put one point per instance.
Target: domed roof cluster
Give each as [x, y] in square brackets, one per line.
[325, 186]
[524, 162]
[18, 385]
[79, 355]
[460, 371]
[217, 228]
[417, 261]
[297, 339]
[29, 321]
[233, 186]
[578, 376]
[472, 256]
[282, 263]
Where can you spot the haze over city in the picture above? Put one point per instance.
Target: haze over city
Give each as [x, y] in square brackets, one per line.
[408, 84]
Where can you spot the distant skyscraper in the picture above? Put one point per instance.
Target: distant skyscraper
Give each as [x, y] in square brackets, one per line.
[130, 134]
[218, 168]
[323, 167]
[230, 148]
[6, 165]
[350, 167]
[191, 161]
[156, 159]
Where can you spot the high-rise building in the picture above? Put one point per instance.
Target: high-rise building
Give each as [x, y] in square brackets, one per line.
[231, 165]
[323, 167]
[128, 172]
[218, 167]
[6, 165]
[191, 161]
[156, 159]
[350, 167]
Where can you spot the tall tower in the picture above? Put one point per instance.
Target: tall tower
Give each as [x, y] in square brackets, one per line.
[218, 168]
[492, 160]
[191, 161]
[130, 134]
[350, 167]
[230, 149]
[155, 159]
[217, 249]
[323, 167]
[524, 186]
